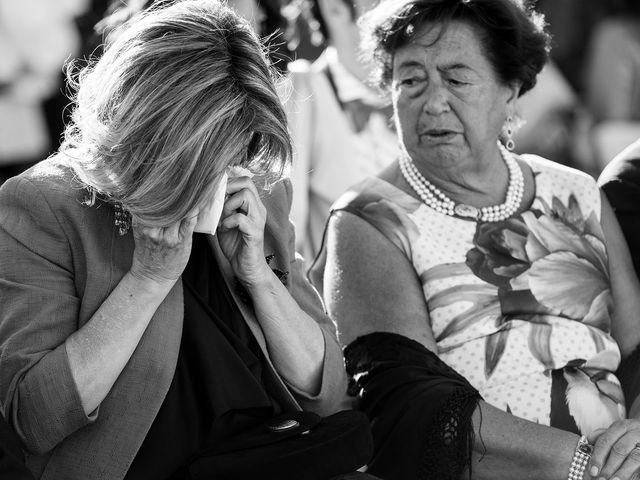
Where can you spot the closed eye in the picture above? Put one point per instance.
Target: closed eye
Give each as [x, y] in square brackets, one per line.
[457, 83]
[409, 82]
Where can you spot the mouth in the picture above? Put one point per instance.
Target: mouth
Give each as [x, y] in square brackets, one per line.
[438, 133]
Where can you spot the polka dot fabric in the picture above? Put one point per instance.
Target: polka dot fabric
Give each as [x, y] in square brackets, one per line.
[507, 301]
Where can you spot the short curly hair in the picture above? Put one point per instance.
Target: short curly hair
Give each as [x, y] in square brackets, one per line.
[513, 35]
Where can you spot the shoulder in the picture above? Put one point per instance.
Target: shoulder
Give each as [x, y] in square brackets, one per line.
[558, 177]
[560, 187]
[372, 191]
[383, 206]
[49, 190]
[46, 205]
[542, 165]
[52, 180]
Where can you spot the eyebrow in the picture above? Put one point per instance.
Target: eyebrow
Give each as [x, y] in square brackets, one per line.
[456, 66]
[408, 64]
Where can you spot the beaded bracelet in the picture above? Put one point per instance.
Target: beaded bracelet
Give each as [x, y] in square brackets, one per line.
[580, 459]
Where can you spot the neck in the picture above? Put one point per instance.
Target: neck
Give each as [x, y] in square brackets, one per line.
[477, 183]
[470, 201]
[345, 40]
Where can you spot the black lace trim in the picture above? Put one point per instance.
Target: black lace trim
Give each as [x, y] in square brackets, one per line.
[389, 372]
[449, 442]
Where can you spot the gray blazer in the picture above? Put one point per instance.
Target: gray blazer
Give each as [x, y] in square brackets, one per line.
[59, 260]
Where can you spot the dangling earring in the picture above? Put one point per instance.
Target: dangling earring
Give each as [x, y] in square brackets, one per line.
[508, 133]
[122, 220]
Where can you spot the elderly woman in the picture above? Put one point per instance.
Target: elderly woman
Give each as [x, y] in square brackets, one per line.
[130, 346]
[472, 287]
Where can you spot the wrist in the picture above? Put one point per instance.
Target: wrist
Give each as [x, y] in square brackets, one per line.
[260, 281]
[578, 470]
[150, 284]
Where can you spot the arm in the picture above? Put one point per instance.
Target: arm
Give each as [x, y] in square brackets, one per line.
[100, 349]
[300, 337]
[371, 285]
[53, 375]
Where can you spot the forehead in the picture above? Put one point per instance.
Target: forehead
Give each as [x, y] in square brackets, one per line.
[458, 43]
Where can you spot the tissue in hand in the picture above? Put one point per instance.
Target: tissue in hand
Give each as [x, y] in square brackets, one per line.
[209, 216]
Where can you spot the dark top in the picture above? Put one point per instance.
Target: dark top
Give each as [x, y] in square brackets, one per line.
[217, 390]
[12, 464]
[420, 409]
[620, 181]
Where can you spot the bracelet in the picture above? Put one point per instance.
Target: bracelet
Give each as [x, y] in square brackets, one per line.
[580, 459]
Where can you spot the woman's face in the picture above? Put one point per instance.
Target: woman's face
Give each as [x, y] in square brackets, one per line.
[449, 104]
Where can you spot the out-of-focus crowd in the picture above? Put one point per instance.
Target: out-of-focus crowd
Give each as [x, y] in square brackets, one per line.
[584, 109]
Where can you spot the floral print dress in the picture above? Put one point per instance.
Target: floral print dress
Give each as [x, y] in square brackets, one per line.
[520, 307]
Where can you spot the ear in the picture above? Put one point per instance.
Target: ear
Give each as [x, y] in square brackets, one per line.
[514, 94]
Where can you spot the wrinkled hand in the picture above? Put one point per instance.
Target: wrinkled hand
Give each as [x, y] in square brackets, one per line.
[614, 453]
[161, 254]
[241, 232]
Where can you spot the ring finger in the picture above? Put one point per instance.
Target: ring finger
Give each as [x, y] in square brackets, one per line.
[630, 468]
[624, 449]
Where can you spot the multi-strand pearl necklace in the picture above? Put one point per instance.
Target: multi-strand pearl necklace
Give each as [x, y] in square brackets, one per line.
[436, 199]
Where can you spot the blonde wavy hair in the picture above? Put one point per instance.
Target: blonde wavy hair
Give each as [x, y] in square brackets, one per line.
[184, 91]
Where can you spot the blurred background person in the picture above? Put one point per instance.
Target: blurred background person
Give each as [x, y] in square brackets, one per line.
[612, 81]
[265, 17]
[620, 181]
[154, 313]
[545, 116]
[36, 37]
[340, 123]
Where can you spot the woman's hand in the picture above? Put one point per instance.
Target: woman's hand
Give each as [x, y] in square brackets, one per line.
[161, 254]
[616, 452]
[241, 232]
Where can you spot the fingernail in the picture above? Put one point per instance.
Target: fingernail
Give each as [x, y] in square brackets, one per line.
[594, 471]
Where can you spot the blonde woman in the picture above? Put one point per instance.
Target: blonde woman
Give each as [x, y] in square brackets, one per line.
[130, 336]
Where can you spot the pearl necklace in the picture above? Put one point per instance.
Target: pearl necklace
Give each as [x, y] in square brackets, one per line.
[433, 197]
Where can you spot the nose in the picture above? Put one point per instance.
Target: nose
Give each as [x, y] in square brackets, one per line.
[436, 99]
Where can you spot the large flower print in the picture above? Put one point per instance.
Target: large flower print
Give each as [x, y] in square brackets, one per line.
[549, 261]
